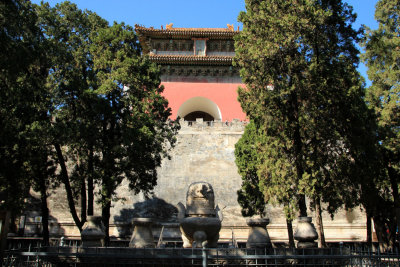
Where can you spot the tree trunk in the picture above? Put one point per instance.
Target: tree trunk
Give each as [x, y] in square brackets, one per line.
[381, 234]
[81, 175]
[392, 233]
[90, 189]
[395, 191]
[3, 234]
[320, 225]
[65, 180]
[44, 209]
[290, 233]
[369, 229]
[109, 140]
[297, 143]
[83, 200]
[105, 213]
[302, 206]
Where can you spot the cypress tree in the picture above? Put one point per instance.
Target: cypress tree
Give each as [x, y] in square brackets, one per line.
[382, 53]
[298, 62]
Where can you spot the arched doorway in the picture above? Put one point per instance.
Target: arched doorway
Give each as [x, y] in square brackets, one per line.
[198, 114]
[199, 107]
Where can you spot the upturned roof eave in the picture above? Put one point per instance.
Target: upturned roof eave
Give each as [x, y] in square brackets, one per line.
[192, 60]
[182, 33]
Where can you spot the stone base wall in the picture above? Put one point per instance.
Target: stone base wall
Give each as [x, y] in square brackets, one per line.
[204, 152]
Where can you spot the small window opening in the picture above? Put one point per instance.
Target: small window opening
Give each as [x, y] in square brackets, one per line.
[200, 47]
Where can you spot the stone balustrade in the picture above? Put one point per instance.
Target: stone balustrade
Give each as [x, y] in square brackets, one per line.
[216, 125]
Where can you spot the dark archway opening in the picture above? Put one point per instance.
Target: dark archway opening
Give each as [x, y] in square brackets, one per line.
[192, 116]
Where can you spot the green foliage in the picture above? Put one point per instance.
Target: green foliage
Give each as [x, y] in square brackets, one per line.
[75, 104]
[381, 56]
[136, 132]
[24, 101]
[109, 118]
[133, 109]
[75, 88]
[298, 61]
[250, 197]
[382, 53]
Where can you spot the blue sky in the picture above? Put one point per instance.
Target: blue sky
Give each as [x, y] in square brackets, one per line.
[191, 13]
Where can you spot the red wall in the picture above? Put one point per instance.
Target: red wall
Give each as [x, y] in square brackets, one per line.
[223, 94]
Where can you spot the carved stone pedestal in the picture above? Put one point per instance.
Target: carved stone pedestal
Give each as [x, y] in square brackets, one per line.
[200, 231]
[93, 233]
[142, 236]
[305, 233]
[258, 234]
[200, 221]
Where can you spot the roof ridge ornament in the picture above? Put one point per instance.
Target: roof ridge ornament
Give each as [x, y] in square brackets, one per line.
[230, 27]
[169, 26]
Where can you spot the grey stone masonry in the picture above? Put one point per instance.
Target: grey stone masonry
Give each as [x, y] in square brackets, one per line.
[204, 152]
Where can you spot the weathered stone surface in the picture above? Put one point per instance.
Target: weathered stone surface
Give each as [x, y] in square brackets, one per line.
[209, 226]
[200, 200]
[200, 226]
[93, 234]
[258, 233]
[305, 233]
[142, 236]
[203, 153]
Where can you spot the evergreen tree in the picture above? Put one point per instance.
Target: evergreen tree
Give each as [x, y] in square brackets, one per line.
[17, 34]
[247, 158]
[110, 120]
[250, 198]
[136, 132]
[298, 61]
[25, 150]
[381, 56]
[73, 82]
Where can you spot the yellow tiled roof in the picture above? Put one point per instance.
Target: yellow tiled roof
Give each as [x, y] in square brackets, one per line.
[187, 32]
